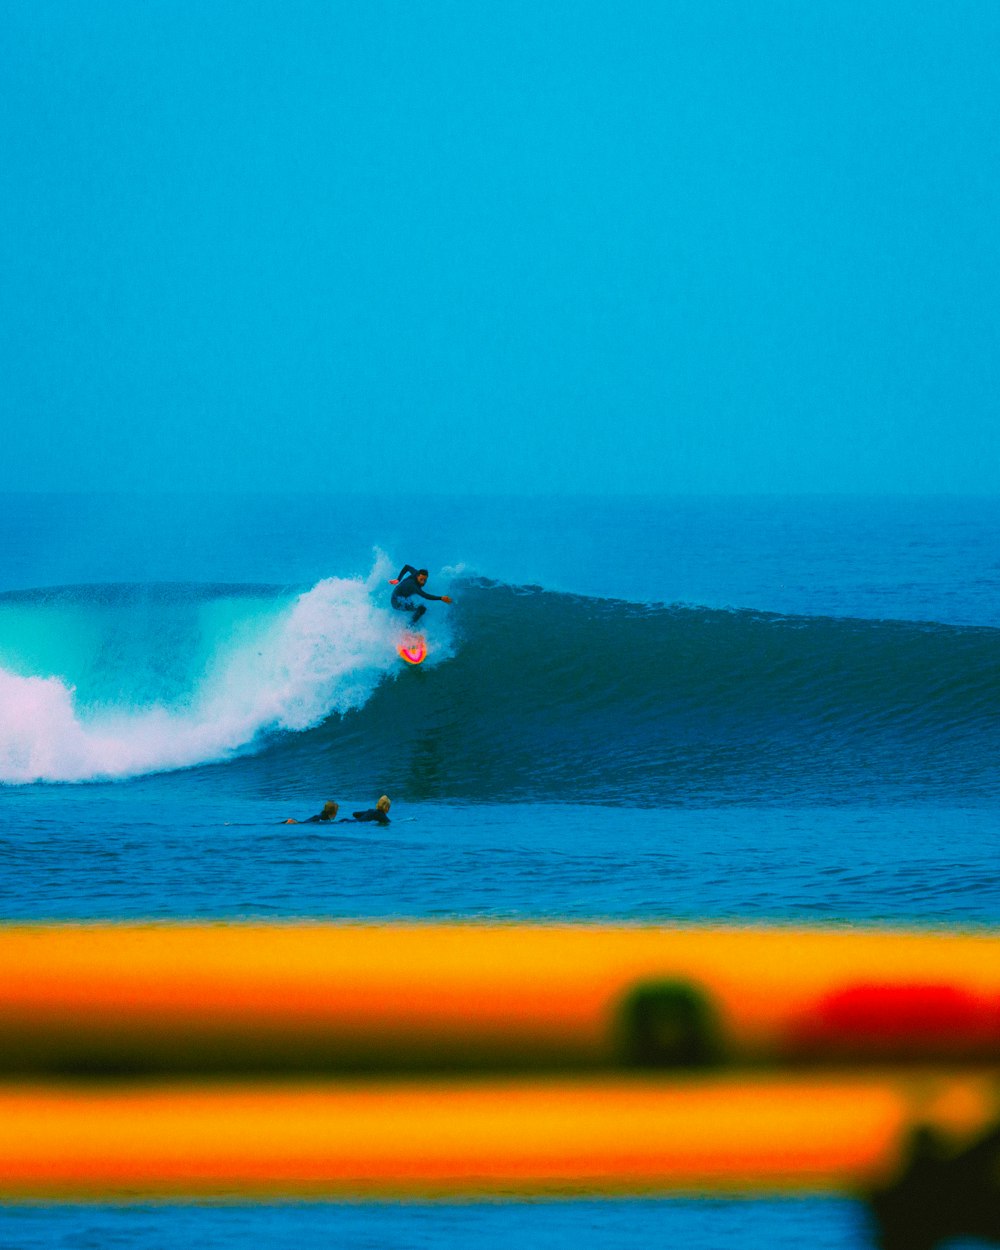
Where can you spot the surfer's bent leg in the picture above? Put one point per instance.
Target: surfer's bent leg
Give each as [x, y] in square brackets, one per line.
[416, 611]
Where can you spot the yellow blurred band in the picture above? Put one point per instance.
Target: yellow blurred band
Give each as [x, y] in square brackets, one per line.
[118, 998]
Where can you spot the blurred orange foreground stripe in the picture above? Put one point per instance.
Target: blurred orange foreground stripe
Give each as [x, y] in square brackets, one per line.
[405, 1139]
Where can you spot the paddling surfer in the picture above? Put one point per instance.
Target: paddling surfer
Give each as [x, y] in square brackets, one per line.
[378, 813]
[328, 814]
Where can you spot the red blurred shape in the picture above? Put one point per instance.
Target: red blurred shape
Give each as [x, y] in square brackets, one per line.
[901, 1021]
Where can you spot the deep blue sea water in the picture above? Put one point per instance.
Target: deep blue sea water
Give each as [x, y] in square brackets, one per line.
[641, 709]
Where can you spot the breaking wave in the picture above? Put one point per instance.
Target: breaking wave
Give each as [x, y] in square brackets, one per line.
[527, 694]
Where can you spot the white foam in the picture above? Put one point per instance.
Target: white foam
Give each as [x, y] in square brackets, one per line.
[323, 654]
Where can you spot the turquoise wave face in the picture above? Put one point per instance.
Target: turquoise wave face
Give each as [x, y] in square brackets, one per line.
[106, 682]
[123, 646]
[527, 694]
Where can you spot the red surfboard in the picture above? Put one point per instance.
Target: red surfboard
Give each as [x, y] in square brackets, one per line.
[413, 649]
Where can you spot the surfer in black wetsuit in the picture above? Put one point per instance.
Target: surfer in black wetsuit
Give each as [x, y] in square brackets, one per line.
[409, 583]
[379, 813]
[328, 813]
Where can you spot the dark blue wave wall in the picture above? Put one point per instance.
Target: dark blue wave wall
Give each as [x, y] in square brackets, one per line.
[553, 697]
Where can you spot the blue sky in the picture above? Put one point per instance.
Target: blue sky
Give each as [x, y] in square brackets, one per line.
[533, 246]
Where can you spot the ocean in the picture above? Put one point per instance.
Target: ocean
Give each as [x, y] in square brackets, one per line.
[635, 709]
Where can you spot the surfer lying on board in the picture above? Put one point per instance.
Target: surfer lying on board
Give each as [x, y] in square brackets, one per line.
[408, 586]
[379, 812]
[328, 813]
